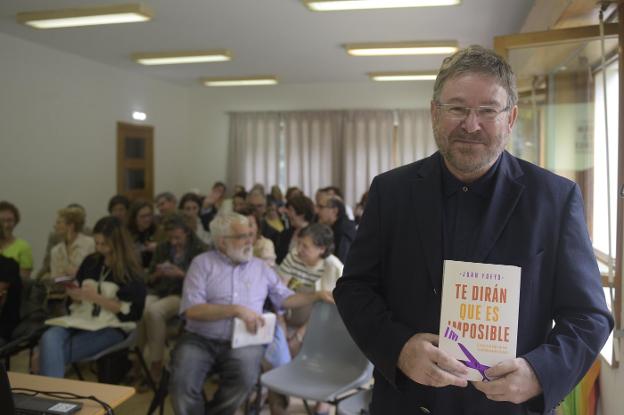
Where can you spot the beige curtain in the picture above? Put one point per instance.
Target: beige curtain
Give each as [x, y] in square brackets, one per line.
[414, 136]
[312, 145]
[322, 148]
[254, 148]
[366, 150]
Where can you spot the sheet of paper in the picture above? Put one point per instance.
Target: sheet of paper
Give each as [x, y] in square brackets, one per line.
[241, 337]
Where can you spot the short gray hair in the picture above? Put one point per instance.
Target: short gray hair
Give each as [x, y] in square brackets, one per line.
[168, 196]
[221, 225]
[477, 59]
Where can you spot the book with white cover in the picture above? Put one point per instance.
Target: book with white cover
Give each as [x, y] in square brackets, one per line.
[242, 337]
[479, 316]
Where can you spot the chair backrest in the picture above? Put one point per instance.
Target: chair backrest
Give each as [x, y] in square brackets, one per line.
[33, 307]
[328, 340]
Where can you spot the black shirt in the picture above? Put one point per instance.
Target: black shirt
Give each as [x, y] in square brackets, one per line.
[465, 206]
[10, 310]
[133, 291]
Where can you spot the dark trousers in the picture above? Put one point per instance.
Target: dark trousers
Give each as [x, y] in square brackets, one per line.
[194, 357]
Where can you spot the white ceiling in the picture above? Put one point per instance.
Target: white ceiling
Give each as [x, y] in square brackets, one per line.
[280, 37]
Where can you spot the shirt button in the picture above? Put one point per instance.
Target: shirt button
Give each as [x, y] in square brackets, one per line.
[465, 188]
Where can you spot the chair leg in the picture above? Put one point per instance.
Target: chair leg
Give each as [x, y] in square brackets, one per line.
[161, 394]
[307, 407]
[255, 406]
[77, 370]
[148, 375]
[258, 402]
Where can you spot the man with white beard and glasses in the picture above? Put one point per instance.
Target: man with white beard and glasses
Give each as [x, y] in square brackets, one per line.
[220, 285]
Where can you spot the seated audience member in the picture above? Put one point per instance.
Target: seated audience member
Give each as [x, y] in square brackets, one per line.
[143, 230]
[258, 187]
[263, 248]
[359, 208]
[118, 206]
[277, 196]
[220, 285]
[273, 216]
[66, 256]
[110, 291]
[167, 271]
[331, 211]
[300, 211]
[166, 203]
[239, 201]
[212, 204]
[308, 268]
[292, 192]
[190, 205]
[258, 201]
[11, 246]
[239, 188]
[10, 296]
[54, 239]
[335, 191]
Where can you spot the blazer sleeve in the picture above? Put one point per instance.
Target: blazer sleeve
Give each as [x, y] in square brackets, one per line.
[582, 320]
[359, 297]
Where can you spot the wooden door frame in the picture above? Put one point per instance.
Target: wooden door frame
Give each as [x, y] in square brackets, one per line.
[147, 131]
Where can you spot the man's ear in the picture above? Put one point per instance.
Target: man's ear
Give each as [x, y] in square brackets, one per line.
[220, 243]
[513, 115]
[433, 109]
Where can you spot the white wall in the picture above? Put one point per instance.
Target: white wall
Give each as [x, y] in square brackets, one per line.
[209, 120]
[58, 115]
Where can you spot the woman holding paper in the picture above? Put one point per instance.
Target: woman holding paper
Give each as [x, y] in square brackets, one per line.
[106, 302]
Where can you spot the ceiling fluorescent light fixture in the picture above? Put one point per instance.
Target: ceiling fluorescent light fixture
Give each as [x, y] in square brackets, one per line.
[402, 76]
[339, 5]
[168, 58]
[242, 81]
[401, 48]
[87, 16]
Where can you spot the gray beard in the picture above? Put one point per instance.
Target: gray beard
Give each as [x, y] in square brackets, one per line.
[467, 162]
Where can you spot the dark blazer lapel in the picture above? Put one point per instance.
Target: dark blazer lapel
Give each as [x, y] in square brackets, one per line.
[505, 196]
[427, 202]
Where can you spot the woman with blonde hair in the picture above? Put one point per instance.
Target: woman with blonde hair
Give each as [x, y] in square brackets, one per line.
[109, 295]
[66, 257]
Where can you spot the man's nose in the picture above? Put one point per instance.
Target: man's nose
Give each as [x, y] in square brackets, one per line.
[471, 123]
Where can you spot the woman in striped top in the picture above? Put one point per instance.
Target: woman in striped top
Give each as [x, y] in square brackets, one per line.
[307, 268]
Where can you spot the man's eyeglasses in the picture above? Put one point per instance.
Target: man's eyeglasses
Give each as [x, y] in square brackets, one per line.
[240, 236]
[459, 112]
[322, 206]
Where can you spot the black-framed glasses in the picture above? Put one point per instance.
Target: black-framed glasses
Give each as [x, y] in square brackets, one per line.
[460, 112]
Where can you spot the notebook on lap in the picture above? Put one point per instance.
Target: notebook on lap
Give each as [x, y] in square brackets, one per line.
[20, 404]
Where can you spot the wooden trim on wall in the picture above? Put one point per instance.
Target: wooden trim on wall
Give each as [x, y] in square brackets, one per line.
[617, 310]
[502, 44]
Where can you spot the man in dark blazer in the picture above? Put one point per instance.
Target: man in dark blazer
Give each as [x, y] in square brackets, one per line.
[472, 201]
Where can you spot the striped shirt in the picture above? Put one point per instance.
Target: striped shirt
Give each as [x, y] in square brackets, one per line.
[300, 276]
